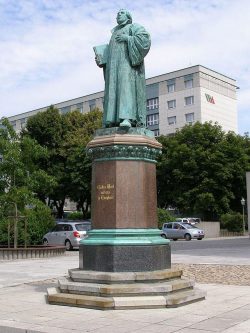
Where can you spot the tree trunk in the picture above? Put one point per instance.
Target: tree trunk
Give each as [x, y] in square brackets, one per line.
[15, 226]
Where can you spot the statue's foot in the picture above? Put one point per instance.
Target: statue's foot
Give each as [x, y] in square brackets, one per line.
[125, 123]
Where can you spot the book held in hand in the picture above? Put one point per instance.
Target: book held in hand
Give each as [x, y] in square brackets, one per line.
[101, 53]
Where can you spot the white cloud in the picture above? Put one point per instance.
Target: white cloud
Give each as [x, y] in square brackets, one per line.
[46, 51]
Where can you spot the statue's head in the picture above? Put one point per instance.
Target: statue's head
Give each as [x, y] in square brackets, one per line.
[123, 17]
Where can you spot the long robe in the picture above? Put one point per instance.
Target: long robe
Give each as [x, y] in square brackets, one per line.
[125, 87]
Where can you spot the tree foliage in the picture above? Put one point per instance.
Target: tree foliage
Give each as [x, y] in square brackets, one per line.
[164, 216]
[65, 137]
[202, 170]
[18, 176]
[232, 222]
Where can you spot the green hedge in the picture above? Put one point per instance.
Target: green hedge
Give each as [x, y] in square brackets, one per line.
[38, 222]
[232, 222]
[164, 216]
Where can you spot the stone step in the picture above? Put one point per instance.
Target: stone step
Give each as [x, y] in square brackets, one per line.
[184, 297]
[118, 303]
[156, 288]
[144, 302]
[56, 297]
[123, 277]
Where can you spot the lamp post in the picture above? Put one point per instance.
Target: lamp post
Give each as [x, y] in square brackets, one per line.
[243, 201]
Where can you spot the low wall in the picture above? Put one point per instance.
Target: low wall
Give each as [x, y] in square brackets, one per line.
[31, 252]
[212, 229]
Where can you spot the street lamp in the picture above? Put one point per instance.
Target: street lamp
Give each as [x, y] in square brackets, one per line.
[243, 201]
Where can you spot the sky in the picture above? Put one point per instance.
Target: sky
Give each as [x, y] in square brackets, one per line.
[46, 46]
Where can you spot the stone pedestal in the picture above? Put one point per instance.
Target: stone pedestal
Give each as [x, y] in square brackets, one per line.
[124, 263]
[125, 236]
[116, 291]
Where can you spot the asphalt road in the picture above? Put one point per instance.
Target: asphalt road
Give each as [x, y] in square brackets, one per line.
[208, 251]
[233, 250]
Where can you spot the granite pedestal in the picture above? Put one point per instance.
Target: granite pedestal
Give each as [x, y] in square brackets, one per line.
[125, 236]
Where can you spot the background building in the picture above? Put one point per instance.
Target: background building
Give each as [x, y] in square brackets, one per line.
[174, 99]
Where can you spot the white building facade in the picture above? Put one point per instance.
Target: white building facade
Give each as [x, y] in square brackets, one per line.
[173, 100]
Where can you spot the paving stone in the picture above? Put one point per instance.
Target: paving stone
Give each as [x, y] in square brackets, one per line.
[157, 329]
[238, 314]
[9, 329]
[215, 324]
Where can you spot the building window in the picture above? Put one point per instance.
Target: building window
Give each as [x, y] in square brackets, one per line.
[172, 104]
[152, 90]
[189, 84]
[189, 100]
[23, 122]
[188, 81]
[153, 119]
[92, 107]
[152, 103]
[65, 109]
[92, 104]
[79, 107]
[171, 87]
[189, 118]
[172, 120]
[13, 123]
[156, 132]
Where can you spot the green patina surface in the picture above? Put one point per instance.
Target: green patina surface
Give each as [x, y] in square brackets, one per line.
[122, 61]
[124, 237]
[124, 152]
[127, 130]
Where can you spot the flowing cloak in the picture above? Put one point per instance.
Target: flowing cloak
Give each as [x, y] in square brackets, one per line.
[124, 74]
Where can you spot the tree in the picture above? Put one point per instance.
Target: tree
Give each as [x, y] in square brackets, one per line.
[80, 130]
[18, 175]
[65, 136]
[202, 170]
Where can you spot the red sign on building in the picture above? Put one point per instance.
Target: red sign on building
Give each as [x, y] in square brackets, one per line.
[210, 99]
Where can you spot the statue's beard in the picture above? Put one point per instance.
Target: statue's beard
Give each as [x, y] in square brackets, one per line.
[122, 22]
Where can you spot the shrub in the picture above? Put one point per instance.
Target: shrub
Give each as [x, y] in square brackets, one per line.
[232, 222]
[164, 216]
[39, 221]
[75, 216]
[4, 231]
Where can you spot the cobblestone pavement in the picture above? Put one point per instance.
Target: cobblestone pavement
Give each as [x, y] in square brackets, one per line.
[218, 273]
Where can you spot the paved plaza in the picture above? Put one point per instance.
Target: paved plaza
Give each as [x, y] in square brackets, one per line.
[24, 308]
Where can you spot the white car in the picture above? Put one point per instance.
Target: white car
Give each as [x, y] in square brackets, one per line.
[67, 234]
[179, 230]
[190, 220]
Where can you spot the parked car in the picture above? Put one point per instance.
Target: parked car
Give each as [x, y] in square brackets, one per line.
[194, 220]
[183, 219]
[181, 230]
[190, 220]
[68, 234]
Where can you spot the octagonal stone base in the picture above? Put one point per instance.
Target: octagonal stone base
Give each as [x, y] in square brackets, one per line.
[108, 258]
[127, 290]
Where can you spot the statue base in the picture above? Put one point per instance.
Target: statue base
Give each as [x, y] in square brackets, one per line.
[124, 250]
[124, 263]
[125, 237]
[131, 290]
